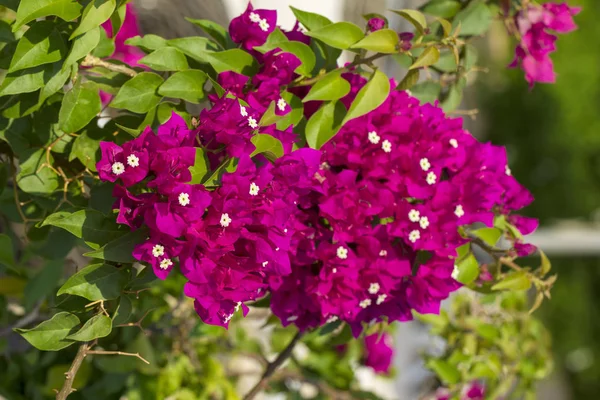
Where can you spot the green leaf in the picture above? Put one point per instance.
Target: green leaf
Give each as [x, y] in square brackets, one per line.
[273, 40]
[414, 17]
[85, 149]
[121, 249]
[3, 176]
[148, 42]
[32, 9]
[340, 35]
[215, 178]
[468, 269]
[21, 105]
[516, 280]
[235, 60]
[123, 311]
[545, 264]
[187, 85]
[214, 30]
[80, 105]
[295, 115]
[429, 56]
[453, 98]
[166, 59]
[7, 256]
[55, 83]
[309, 20]
[118, 18]
[371, 96]
[488, 235]
[105, 47]
[269, 117]
[268, 145]
[324, 124]
[426, 92]
[82, 46]
[195, 47]
[330, 327]
[28, 80]
[470, 56]
[409, 80]
[442, 8]
[446, 63]
[474, 20]
[139, 94]
[448, 373]
[35, 176]
[43, 283]
[94, 14]
[303, 52]
[96, 282]
[98, 326]
[51, 335]
[331, 87]
[90, 225]
[381, 41]
[41, 44]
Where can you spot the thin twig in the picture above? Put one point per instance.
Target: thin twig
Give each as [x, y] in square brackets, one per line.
[118, 353]
[272, 367]
[67, 387]
[91, 61]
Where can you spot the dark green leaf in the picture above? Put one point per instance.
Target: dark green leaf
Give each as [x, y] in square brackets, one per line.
[166, 59]
[446, 63]
[117, 18]
[139, 94]
[28, 80]
[330, 327]
[429, 56]
[21, 105]
[214, 30]
[340, 35]
[414, 17]
[51, 335]
[96, 282]
[94, 14]
[324, 124]
[195, 47]
[82, 46]
[215, 178]
[470, 57]
[55, 83]
[371, 96]
[409, 80]
[32, 9]
[98, 326]
[268, 145]
[309, 20]
[121, 249]
[41, 44]
[442, 8]
[235, 60]
[7, 255]
[516, 280]
[80, 105]
[123, 311]
[331, 87]
[35, 176]
[427, 92]
[187, 85]
[90, 225]
[4, 172]
[148, 42]
[474, 20]
[43, 283]
[381, 41]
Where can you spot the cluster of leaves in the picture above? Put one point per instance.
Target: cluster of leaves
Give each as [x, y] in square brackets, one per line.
[54, 68]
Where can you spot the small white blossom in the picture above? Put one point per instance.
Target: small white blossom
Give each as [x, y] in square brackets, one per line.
[265, 263]
[425, 165]
[374, 137]
[166, 263]
[458, 211]
[413, 236]
[334, 270]
[381, 298]
[118, 168]
[254, 17]
[455, 272]
[158, 250]
[184, 199]
[292, 318]
[225, 220]
[133, 161]
[237, 306]
[374, 288]
[508, 171]
[431, 178]
[264, 25]
[342, 252]
[386, 146]
[365, 303]
[254, 189]
[424, 222]
[414, 215]
[252, 123]
[408, 92]
[243, 111]
[453, 143]
[332, 318]
[281, 104]
[383, 253]
[228, 318]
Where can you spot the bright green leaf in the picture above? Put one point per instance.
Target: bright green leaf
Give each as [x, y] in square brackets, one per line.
[96, 282]
[381, 41]
[488, 235]
[268, 145]
[331, 87]
[32, 9]
[309, 20]
[28, 80]
[120, 249]
[82, 46]
[269, 117]
[295, 115]
[94, 14]
[371, 96]
[105, 47]
[85, 149]
[118, 18]
[273, 40]
[51, 335]
[414, 17]
[468, 269]
[90, 225]
[200, 167]
[303, 52]
[235, 60]
[429, 56]
[147, 42]
[340, 35]
[448, 373]
[195, 47]
[324, 124]
[98, 326]
[35, 176]
[139, 94]
[80, 105]
[166, 59]
[516, 280]
[545, 264]
[55, 83]
[41, 44]
[187, 85]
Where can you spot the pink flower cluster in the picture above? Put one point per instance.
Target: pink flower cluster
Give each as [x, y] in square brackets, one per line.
[363, 230]
[472, 391]
[536, 43]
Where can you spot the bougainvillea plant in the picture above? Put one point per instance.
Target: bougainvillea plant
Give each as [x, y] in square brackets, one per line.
[311, 202]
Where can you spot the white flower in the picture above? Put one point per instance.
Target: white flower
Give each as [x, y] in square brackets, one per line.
[424, 222]
[292, 318]
[383, 253]
[252, 123]
[381, 298]
[342, 252]
[228, 318]
[455, 272]
[265, 263]
[408, 92]
[374, 137]
[458, 211]
[225, 220]
[158, 250]
[166, 263]
[254, 17]
[254, 189]
[184, 199]
[281, 104]
[264, 25]
[118, 168]
[413, 236]
[424, 163]
[508, 171]
[453, 143]
[332, 318]
[414, 215]
[365, 303]
[374, 288]
[431, 178]
[133, 160]
[237, 306]
[386, 146]
[334, 270]
[243, 111]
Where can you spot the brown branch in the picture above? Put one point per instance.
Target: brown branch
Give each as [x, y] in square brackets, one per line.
[91, 61]
[272, 367]
[67, 387]
[118, 353]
